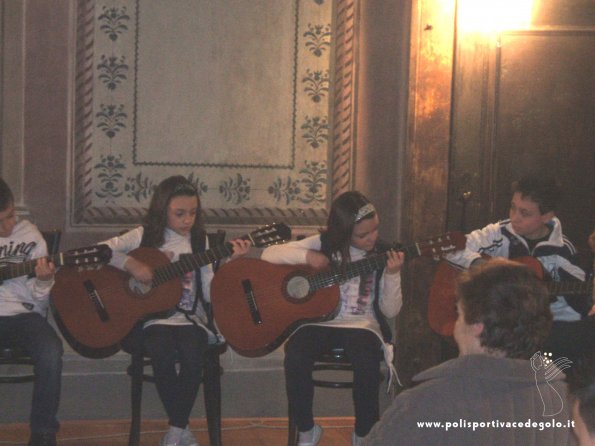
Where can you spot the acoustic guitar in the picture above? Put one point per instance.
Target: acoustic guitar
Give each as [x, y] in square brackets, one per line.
[95, 310]
[81, 258]
[442, 312]
[257, 304]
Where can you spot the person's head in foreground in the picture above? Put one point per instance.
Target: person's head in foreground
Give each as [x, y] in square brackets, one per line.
[503, 310]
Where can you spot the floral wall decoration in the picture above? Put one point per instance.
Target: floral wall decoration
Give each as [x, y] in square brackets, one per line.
[232, 94]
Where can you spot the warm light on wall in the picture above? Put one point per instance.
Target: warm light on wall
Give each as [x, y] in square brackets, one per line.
[488, 16]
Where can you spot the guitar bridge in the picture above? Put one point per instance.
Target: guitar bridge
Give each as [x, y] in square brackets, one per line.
[249, 293]
[96, 299]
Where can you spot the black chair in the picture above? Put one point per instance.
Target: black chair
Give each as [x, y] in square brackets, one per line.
[332, 360]
[10, 354]
[211, 388]
[211, 378]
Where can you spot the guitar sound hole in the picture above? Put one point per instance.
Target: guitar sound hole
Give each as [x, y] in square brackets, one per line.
[138, 287]
[298, 287]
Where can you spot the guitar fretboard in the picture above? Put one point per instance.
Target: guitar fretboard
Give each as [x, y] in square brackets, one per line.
[343, 273]
[12, 270]
[190, 262]
[261, 237]
[569, 287]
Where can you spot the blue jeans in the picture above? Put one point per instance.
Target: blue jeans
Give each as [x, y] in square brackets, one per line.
[33, 333]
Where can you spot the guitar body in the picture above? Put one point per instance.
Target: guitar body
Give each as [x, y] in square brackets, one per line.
[80, 318]
[442, 299]
[95, 310]
[253, 308]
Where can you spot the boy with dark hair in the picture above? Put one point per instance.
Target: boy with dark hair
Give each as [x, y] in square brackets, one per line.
[532, 230]
[23, 308]
[499, 391]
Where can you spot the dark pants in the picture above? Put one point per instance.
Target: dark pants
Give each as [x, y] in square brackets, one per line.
[35, 335]
[167, 344]
[573, 340]
[362, 347]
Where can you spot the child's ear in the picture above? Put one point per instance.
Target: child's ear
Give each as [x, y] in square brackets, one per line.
[547, 216]
[477, 328]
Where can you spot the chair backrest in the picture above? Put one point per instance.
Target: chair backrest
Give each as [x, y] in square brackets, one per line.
[52, 240]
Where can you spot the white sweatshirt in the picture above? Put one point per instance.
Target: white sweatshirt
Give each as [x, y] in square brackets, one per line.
[23, 294]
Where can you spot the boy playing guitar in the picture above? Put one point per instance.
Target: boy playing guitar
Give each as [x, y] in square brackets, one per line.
[532, 229]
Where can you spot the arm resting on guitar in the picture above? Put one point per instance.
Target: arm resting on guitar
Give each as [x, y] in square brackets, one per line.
[485, 241]
[292, 253]
[121, 245]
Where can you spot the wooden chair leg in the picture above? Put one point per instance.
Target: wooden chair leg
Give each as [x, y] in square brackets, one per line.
[292, 431]
[212, 390]
[136, 393]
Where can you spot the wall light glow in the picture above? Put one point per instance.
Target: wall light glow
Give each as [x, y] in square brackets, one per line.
[492, 16]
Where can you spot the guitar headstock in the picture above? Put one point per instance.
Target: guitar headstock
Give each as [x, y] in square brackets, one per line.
[272, 234]
[87, 256]
[446, 243]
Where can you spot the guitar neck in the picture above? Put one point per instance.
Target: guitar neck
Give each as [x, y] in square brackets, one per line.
[349, 271]
[10, 271]
[191, 262]
[569, 287]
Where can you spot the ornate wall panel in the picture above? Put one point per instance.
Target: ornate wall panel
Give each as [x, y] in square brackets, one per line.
[234, 95]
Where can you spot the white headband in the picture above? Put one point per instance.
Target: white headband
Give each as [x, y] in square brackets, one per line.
[364, 211]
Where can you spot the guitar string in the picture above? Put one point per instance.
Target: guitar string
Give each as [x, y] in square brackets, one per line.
[265, 292]
[163, 273]
[323, 279]
[342, 274]
[14, 270]
[82, 255]
[319, 280]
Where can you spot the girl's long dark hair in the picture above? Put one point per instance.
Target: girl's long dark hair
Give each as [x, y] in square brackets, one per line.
[342, 219]
[155, 221]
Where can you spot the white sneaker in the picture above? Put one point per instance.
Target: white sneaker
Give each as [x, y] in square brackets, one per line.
[356, 441]
[173, 437]
[187, 438]
[311, 437]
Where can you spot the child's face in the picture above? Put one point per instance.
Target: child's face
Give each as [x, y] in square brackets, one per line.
[8, 220]
[526, 219]
[365, 233]
[181, 214]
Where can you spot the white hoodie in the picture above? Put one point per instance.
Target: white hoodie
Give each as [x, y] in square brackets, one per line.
[23, 294]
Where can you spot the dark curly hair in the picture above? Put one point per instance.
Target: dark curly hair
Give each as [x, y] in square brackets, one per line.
[511, 302]
[156, 219]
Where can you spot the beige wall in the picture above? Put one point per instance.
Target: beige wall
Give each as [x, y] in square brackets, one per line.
[49, 35]
[38, 85]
